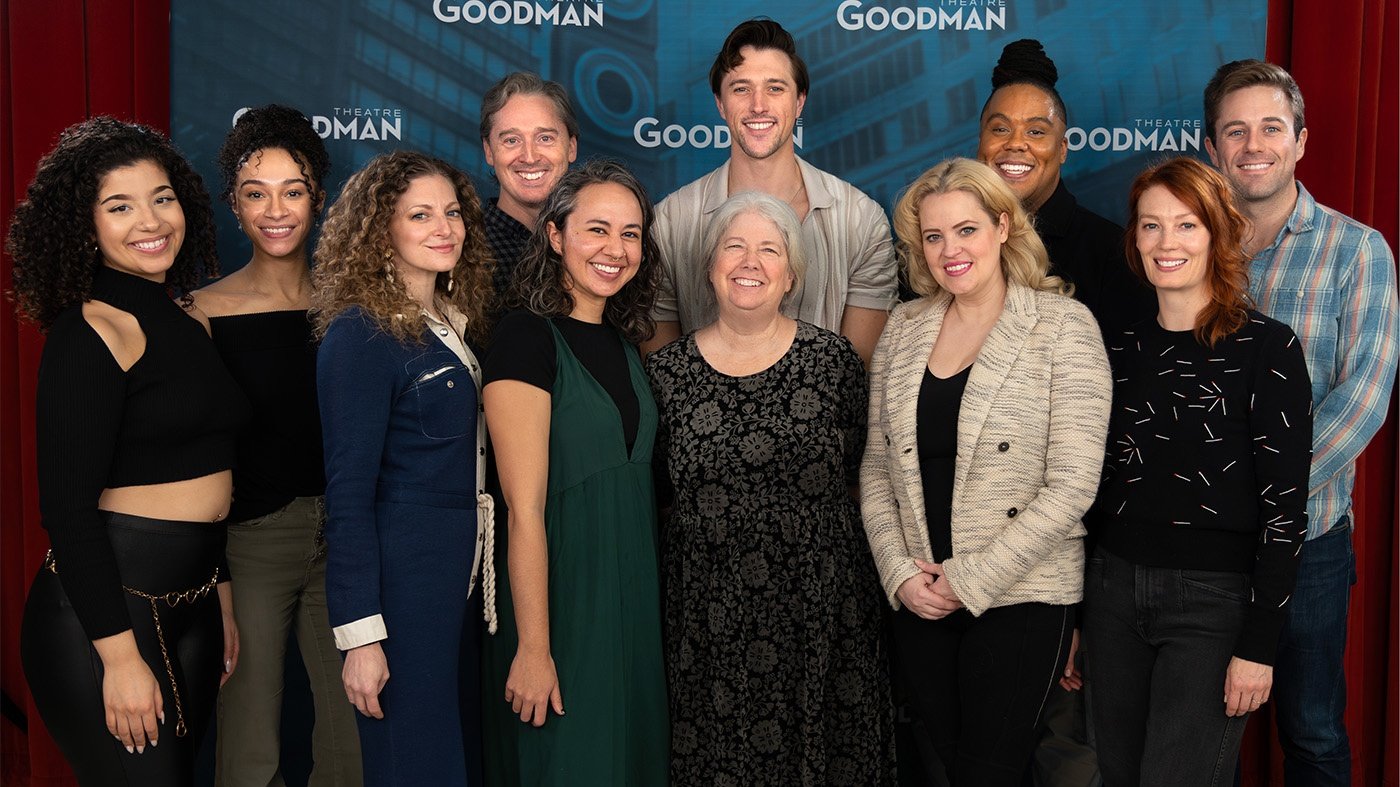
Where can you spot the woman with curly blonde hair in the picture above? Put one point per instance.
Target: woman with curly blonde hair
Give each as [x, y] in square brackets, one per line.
[989, 401]
[402, 281]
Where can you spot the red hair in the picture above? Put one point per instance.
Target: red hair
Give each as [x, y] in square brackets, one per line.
[1207, 195]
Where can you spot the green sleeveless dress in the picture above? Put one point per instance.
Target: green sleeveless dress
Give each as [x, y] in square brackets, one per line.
[604, 602]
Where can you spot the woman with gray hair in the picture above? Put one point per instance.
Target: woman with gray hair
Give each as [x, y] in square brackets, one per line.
[772, 604]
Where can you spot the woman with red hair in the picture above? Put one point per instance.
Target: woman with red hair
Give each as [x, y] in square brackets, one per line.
[1202, 508]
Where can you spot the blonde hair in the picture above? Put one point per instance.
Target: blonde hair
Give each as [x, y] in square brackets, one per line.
[354, 265]
[1023, 257]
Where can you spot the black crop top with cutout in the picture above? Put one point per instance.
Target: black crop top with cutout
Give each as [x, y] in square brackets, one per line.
[173, 416]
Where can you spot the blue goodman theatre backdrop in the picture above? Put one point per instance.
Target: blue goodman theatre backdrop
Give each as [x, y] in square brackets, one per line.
[896, 84]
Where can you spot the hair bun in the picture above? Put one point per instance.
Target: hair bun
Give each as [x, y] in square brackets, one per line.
[1024, 61]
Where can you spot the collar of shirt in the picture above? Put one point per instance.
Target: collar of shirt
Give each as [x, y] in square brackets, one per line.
[818, 196]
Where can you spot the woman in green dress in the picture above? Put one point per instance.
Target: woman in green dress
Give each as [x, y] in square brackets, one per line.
[575, 690]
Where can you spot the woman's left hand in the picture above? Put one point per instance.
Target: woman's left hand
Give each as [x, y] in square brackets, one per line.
[1247, 685]
[225, 590]
[940, 580]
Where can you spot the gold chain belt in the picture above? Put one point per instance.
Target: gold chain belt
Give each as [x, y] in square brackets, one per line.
[172, 598]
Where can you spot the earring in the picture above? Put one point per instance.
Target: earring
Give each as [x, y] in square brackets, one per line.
[449, 285]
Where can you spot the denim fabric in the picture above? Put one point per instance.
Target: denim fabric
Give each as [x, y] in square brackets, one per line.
[1309, 685]
[1158, 641]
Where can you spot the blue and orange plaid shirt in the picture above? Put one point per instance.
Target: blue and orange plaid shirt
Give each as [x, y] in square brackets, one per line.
[1332, 280]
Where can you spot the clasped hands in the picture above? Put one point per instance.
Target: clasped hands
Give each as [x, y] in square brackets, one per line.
[927, 593]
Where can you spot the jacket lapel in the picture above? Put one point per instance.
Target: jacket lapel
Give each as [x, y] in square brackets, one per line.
[907, 376]
[990, 371]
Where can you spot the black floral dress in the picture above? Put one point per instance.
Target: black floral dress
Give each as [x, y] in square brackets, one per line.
[775, 657]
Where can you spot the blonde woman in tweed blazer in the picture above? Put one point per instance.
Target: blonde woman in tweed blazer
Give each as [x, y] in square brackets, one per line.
[983, 575]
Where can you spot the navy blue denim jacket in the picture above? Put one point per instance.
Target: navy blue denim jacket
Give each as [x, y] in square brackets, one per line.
[400, 426]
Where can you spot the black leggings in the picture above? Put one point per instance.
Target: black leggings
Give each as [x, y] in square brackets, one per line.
[976, 687]
[65, 674]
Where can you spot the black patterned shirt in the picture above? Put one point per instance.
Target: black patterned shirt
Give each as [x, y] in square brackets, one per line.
[1207, 460]
[507, 239]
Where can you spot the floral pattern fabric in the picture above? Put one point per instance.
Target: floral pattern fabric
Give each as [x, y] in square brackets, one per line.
[775, 656]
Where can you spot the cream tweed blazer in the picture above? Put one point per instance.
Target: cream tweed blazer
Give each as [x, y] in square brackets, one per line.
[1029, 453]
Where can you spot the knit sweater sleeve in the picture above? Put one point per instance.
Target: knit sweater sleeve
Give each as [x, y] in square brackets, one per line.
[78, 408]
[1280, 424]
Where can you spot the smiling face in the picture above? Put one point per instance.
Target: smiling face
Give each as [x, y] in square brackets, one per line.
[426, 231]
[1256, 146]
[601, 246]
[138, 219]
[274, 203]
[750, 271]
[962, 244]
[1023, 139]
[758, 99]
[531, 149]
[1174, 244]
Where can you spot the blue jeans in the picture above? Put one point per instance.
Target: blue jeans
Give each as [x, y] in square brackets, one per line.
[1310, 692]
[1157, 642]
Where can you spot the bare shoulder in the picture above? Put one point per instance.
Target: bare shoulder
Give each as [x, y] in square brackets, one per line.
[119, 330]
[223, 297]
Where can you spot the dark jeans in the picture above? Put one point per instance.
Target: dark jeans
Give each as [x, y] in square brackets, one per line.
[976, 686]
[1310, 690]
[1158, 642]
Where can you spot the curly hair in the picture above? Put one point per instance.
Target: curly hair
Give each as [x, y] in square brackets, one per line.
[353, 267]
[53, 235]
[1023, 256]
[541, 283]
[1205, 193]
[274, 127]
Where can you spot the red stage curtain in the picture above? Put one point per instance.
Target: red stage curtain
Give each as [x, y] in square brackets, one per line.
[1344, 56]
[64, 60]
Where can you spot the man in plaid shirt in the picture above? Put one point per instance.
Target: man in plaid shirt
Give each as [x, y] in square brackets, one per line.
[1332, 279]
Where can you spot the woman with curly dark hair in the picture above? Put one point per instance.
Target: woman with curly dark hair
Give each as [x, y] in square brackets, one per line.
[572, 422]
[402, 282]
[137, 420]
[274, 169]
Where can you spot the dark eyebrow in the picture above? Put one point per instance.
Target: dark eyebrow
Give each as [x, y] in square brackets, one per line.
[154, 191]
[256, 182]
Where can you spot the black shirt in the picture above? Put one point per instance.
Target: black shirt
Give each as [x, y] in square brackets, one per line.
[1207, 460]
[507, 239]
[522, 348]
[272, 355]
[940, 402]
[1086, 249]
[173, 416]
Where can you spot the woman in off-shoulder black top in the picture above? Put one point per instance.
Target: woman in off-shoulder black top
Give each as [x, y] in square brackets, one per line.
[273, 164]
[123, 642]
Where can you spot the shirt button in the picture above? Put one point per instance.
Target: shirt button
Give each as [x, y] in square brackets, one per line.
[1003, 447]
[451, 384]
[442, 331]
[481, 451]
[1011, 513]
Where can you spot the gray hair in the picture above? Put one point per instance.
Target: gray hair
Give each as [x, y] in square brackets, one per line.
[768, 207]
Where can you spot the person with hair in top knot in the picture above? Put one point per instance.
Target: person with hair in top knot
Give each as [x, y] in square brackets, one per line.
[402, 285]
[122, 642]
[1022, 138]
[1203, 508]
[274, 168]
[989, 398]
[576, 693]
